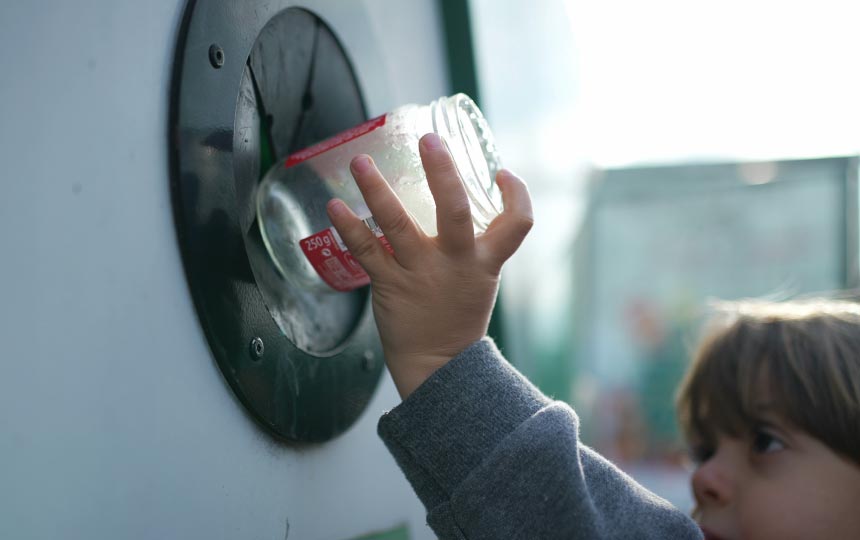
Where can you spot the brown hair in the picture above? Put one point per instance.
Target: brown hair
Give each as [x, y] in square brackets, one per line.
[804, 356]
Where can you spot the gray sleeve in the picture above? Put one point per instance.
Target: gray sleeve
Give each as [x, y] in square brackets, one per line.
[491, 457]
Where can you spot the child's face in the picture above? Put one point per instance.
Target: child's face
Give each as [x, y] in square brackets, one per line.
[776, 483]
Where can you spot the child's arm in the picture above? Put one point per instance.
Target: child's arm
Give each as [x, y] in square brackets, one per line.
[488, 454]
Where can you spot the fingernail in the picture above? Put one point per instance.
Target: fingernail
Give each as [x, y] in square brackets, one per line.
[336, 207]
[507, 173]
[432, 141]
[361, 164]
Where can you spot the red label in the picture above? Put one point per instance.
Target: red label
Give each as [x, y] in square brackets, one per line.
[335, 141]
[333, 262]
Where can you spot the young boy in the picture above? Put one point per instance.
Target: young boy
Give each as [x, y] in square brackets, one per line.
[488, 454]
[771, 402]
[771, 408]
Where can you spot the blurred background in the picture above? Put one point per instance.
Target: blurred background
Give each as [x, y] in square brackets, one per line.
[676, 152]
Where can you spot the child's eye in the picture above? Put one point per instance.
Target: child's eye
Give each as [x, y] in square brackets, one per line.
[764, 442]
[701, 453]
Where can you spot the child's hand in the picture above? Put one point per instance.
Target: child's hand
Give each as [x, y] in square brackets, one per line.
[433, 297]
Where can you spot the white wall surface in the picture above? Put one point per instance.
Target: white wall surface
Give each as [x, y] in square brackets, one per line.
[115, 421]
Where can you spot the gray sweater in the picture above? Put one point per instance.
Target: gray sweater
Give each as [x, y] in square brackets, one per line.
[491, 457]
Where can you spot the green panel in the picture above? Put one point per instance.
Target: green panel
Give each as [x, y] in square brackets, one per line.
[399, 533]
[463, 73]
[461, 51]
[267, 148]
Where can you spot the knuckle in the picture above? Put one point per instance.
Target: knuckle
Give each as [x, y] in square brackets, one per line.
[524, 223]
[441, 162]
[364, 247]
[445, 166]
[461, 215]
[398, 224]
[375, 190]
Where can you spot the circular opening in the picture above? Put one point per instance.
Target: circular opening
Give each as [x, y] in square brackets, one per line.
[290, 206]
[280, 110]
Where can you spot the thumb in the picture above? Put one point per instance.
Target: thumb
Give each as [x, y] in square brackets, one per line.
[507, 232]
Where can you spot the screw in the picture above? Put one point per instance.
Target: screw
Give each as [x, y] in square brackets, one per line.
[257, 348]
[216, 56]
[368, 362]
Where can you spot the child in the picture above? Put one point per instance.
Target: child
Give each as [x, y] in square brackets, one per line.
[771, 407]
[487, 453]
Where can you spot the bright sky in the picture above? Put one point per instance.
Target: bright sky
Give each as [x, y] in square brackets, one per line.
[616, 82]
[674, 79]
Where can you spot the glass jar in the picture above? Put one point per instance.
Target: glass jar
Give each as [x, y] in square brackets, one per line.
[292, 196]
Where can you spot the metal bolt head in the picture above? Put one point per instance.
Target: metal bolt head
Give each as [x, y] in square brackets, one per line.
[257, 348]
[216, 56]
[368, 360]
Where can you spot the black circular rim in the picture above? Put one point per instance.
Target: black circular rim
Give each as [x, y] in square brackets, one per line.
[295, 396]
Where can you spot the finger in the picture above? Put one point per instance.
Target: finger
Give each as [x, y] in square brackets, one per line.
[387, 210]
[453, 214]
[358, 238]
[508, 230]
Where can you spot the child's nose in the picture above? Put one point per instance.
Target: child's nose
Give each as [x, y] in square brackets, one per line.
[712, 483]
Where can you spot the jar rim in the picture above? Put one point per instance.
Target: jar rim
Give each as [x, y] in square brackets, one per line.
[468, 129]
